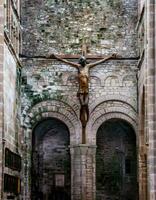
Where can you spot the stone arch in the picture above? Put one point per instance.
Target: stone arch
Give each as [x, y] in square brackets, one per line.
[50, 158]
[112, 81]
[55, 109]
[114, 115]
[92, 130]
[108, 110]
[63, 102]
[117, 154]
[122, 98]
[95, 80]
[41, 111]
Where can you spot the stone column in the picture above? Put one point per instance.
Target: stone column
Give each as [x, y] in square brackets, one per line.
[26, 171]
[1, 98]
[91, 173]
[151, 98]
[143, 193]
[83, 172]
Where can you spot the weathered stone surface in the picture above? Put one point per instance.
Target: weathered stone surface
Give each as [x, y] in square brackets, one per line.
[49, 88]
[116, 161]
[62, 26]
[51, 158]
[44, 80]
[112, 84]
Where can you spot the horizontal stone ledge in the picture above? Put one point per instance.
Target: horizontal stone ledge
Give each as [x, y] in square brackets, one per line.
[82, 145]
[70, 56]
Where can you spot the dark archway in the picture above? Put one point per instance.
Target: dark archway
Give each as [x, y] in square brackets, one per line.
[116, 161]
[50, 174]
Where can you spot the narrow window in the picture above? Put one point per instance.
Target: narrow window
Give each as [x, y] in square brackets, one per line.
[11, 184]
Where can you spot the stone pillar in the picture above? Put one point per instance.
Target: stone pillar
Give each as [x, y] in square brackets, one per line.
[151, 98]
[1, 97]
[26, 171]
[83, 172]
[143, 192]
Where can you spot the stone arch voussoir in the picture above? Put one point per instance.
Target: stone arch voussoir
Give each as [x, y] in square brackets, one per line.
[54, 109]
[121, 98]
[108, 110]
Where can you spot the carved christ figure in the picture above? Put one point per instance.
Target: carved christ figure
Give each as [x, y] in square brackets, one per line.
[83, 78]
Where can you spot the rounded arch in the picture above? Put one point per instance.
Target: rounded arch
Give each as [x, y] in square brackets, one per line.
[115, 115]
[44, 129]
[43, 110]
[117, 154]
[60, 117]
[47, 105]
[50, 158]
[54, 109]
[112, 80]
[107, 109]
[120, 98]
[95, 80]
[92, 129]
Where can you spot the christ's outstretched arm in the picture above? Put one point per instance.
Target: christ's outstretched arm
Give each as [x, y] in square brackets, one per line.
[101, 61]
[76, 65]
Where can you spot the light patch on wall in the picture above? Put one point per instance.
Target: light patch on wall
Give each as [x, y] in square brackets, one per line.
[9, 92]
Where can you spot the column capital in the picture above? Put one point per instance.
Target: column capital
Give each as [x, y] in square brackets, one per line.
[82, 149]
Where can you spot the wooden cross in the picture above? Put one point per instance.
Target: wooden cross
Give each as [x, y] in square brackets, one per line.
[84, 49]
[83, 69]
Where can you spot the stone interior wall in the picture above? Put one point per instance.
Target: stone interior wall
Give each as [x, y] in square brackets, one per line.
[44, 79]
[145, 84]
[143, 101]
[9, 96]
[50, 156]
[50, 79]
[141, 4]
[12, 136]
[11, 132]
[1, 89]
[116, 174]
[62, 26]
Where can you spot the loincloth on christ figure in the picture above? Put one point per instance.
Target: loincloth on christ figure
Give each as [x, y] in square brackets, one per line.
[83, 85]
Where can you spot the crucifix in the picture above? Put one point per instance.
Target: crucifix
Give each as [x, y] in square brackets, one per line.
[83, 68]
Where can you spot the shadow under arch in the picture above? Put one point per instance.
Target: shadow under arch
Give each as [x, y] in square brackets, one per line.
[39, 112]
[116, 161]
[50, 161]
